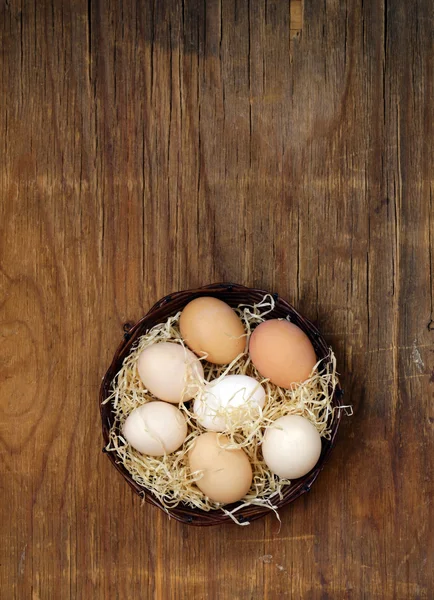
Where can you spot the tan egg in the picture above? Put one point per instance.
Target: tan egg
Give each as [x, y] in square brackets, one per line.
[291, 447]
[227, 474]
[210, 327]
[156, 428]
[163, 369]
[282, 352]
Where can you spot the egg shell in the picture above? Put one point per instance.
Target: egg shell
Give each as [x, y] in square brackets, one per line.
[282, 352]
[163, 369]
[291, 446]
[225, 395]
[156, 428]
[227, 474]
[211, 327]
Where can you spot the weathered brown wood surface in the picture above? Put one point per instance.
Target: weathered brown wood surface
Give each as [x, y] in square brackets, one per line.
[151, 146]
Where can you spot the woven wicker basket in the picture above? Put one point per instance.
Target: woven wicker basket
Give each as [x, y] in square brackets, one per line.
[233, 295]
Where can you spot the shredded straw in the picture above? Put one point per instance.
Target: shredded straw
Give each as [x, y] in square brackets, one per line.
[168, 476]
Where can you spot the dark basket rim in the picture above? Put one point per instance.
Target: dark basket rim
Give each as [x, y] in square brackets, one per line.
[169, 305]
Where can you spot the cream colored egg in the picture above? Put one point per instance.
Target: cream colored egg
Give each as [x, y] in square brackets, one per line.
[291, 447]
[164, 368]
[226, 474]
[230, 401]
[156, 428]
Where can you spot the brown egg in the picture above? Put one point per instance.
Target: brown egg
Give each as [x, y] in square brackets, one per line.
[227, 474]
[210, 326]
[282, 352]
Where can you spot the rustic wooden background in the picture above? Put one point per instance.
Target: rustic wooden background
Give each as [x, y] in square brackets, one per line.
[152, 146]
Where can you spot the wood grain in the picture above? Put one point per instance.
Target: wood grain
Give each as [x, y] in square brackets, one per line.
[153, 146]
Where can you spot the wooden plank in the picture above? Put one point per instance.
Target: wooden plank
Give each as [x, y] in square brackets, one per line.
[149, 147]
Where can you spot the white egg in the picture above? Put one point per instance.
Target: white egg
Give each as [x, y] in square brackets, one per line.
[164, 368]
[291, 446]
[229, 401]
[156, 428]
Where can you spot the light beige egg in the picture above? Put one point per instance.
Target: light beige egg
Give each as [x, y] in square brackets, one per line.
[291, 447]
[227, 474]
[156, 428]
[163, 369]
[211, 328]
